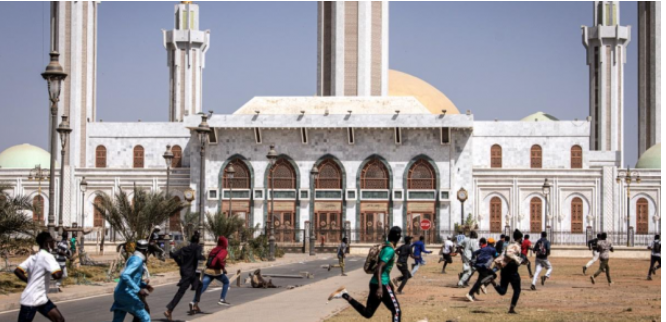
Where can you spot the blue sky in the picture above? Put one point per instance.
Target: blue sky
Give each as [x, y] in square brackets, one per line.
[501, 60]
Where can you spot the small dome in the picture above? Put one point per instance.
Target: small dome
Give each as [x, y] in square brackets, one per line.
[538, 117]
[402, 84]
[24, 156]
[651, 159]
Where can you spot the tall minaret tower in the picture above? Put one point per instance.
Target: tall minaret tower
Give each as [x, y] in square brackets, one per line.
[186, 47]
[649, 74]
[606, 44]
[352, 48]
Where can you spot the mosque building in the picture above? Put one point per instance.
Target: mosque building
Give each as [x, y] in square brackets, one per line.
[390, 149]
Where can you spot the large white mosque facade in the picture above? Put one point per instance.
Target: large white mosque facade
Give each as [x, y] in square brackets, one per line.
[390, 149]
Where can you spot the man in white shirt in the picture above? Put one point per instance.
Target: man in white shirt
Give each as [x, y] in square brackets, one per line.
[447, 249]
[36, 272]
[469, 246]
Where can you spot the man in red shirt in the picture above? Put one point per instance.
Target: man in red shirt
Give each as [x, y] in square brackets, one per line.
[525, 247]
[215, 270]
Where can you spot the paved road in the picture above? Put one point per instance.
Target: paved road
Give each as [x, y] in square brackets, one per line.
[97, 309]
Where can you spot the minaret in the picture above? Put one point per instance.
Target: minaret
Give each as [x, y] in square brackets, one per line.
[352, 48]
[186, 47]
[606, 44]
[649, 75]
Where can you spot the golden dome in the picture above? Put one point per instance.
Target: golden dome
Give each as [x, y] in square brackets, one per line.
[402, 84]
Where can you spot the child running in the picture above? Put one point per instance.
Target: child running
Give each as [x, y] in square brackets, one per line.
[404, 253]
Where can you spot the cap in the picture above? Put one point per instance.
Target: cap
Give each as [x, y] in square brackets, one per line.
[142, 244]
[491, 240]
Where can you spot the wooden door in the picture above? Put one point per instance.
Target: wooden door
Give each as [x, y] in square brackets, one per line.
[495, 215]
[327, 227]
[577, 216]
[536, 213]
[642, 216]
[284, 227]
[373, 227]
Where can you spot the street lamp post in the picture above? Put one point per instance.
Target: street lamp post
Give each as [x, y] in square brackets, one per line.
[54, 75]
[83, 185]
[168, 158]
[546, 193]
[315, 174]
[272, 158]
[628, 177]
[63, 130]
[202, 130]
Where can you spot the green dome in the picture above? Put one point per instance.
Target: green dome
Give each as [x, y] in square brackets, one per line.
[539, 116]
[651, 159]
[25, 156]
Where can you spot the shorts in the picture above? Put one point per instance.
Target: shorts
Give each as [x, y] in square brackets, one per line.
[447, 258]
[27, 313]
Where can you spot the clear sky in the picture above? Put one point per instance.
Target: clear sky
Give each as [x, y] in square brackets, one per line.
[501, 60]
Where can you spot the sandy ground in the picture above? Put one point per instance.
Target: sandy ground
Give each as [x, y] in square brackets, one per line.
[567, 296]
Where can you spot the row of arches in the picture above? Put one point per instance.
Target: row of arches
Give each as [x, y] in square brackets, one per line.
[138, 157]
[536, 157]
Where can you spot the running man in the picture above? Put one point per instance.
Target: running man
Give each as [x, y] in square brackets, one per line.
[542, 250]
[36, 271]
[419, 249]
[215, 270]
[131, 288]
[655, 247]
[381, 290]
[404, 253]
[484, 260]
[509, 262]
[592, 245]
[604, 247]
[447, 250]
[469, 245]
[188, 259]
[525, 247]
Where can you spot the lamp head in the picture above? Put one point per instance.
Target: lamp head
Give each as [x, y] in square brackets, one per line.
[64, 130]
[83, 185]
[54, 75]
[546, 187]
[272, 155]
[314, 172]
[231, 171]
[168, 156]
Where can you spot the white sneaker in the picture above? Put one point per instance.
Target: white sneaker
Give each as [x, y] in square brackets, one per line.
[470, 298]
[223, 303]
[338, 293]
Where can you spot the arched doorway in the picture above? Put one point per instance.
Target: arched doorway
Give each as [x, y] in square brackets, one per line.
[642, 210]
[375, 184]
[282, 178]
[577, 215]
[240, 187]
[328, 202]
[496, 215]
[536, 213]
[421, 197]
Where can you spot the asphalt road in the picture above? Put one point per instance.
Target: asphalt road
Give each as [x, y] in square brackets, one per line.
[96, 309]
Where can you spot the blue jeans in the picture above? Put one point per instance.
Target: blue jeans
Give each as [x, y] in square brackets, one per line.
[142, 315]
[207, 279]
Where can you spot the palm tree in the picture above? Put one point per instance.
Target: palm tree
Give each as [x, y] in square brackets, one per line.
[14, 223]
[222, 225]
[133, 218]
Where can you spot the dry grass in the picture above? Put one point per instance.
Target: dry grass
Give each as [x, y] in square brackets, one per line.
[567, 296]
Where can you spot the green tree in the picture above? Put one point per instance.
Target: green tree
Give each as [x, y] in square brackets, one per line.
[220, 224]
[15, 225]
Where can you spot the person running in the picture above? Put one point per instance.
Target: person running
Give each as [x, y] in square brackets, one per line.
[36, 271]
[131, 288]
[381, 290]
[63, 253]
[188, 259]
[215, 270]
[604, 247]
[525, 247]
[509, 262]
[484, 259]
[592, 245]
[655, 247]
[419, 250]
[542, 250]
[404, 253]
[447, 251]
[469, 245]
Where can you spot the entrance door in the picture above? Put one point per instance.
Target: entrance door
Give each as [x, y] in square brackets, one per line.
[577, 216]
[414, 227]
[495, 215]
[284, 227]
[536, 223]
[642, 216]
[373, 227]
[327, 229]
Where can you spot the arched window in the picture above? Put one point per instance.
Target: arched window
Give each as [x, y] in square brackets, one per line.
[98, 220]
[330, 176]
[174, 221]
[138, 156]
[495, 215]
[241, 178]
[496, 156]
[282, 174]
[535, 157]
[100, 157]
[642, 216]
[535, 215]
[576, 157]
[421, 176]
[374, 175]
[38, 209]
[177, 161]
[577, 215]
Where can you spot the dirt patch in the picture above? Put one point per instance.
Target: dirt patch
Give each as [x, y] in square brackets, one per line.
[567, 296]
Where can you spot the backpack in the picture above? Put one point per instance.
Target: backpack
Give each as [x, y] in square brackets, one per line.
[372, 261]
[540, 249]
[211, 257]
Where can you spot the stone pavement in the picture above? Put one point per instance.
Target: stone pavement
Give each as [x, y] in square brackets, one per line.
[302, 304]
[11, 301]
